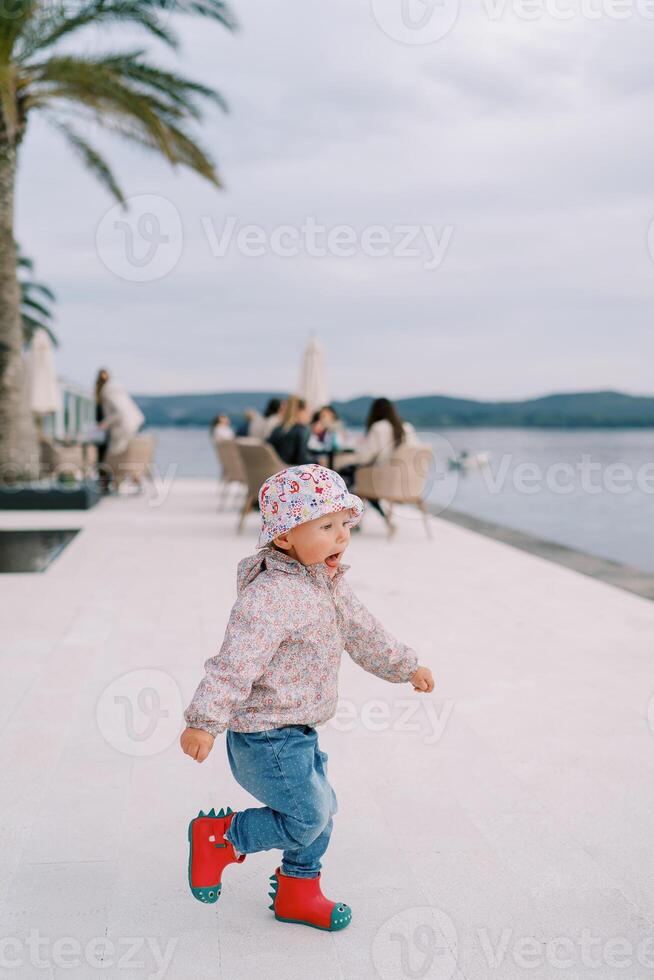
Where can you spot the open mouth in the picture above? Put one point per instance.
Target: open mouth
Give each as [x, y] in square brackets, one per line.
[333, 560]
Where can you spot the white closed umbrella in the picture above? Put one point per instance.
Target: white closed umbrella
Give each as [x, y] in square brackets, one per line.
[313, 376]
[45, 393]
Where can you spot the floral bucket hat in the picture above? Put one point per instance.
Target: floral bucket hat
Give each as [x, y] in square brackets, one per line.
[299, 494]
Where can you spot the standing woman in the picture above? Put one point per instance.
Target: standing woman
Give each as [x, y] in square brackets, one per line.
[100, 381]
[291, 437]
[122, 418]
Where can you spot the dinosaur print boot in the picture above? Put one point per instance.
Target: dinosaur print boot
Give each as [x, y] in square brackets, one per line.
[301, 900]
[210, 853]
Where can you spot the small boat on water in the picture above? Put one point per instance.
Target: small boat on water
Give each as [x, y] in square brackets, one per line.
[469, 461]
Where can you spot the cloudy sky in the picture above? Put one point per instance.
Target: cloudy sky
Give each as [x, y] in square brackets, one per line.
[454, 202]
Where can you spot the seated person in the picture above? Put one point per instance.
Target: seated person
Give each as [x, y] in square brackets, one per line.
[221, 428]
[291, 437]
[385, 431]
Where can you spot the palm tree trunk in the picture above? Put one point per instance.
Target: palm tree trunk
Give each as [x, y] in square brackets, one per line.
[18, 442]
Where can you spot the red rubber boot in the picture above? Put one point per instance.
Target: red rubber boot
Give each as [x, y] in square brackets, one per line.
[210, 853]
[301, 900]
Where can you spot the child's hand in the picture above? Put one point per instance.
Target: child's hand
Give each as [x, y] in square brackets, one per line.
[422, 680]
[197, 743]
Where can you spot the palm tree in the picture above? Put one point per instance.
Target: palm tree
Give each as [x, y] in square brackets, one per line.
[35, 299]
[121, 91]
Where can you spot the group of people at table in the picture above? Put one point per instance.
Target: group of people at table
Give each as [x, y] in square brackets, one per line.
[300, 437]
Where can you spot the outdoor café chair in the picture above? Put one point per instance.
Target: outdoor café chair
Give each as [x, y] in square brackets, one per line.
[57, 458]
[231, 466]
[401, 479]
[134, 463]
[259, 462]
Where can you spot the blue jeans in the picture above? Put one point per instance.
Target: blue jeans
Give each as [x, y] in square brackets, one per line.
[285, 769]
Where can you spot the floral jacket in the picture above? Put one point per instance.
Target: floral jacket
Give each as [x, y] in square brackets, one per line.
[278, 664]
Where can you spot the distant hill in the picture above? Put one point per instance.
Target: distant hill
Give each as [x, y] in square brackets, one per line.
[605, 409]
[201, 409]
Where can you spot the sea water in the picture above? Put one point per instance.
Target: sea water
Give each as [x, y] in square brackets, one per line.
[590, 489]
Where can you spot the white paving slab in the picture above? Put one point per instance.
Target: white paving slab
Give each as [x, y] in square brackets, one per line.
[499, 828]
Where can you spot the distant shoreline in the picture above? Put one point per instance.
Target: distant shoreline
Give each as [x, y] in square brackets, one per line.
[460, 425]
[582, 410]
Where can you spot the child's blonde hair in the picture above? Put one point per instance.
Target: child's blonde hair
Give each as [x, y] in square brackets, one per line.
[294, 405]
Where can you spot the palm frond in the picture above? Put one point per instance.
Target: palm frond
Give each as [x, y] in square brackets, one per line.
[187, 151]
[120, 90]
[181, 142]
[34, 314]
[214, 9]
[38, 287]
[92, 159]
[14, 18]
[126, 68]
[35, 306]
[175, 87]
[53, 25]
[30, 326]
[22, 261]
[97, 86]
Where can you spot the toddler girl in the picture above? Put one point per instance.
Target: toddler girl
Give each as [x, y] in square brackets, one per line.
[274, 680]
